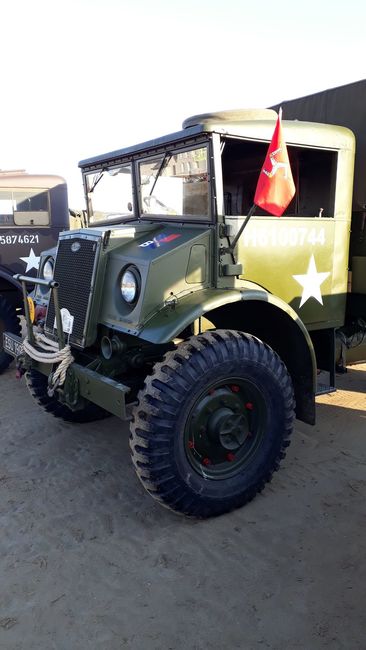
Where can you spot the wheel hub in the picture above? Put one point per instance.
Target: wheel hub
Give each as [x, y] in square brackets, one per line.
[228, 428]
[224, 428]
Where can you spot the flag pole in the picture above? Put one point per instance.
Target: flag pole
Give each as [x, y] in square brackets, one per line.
[273, 192]
[238, 234]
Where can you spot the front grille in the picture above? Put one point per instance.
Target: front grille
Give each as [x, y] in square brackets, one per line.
[74, 271]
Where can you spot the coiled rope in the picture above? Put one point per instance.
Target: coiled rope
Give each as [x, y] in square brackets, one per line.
[51, 354]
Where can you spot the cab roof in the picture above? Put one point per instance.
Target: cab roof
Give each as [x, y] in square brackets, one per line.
[252, 124]
[16, 179]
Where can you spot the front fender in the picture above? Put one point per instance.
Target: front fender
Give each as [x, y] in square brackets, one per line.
[250, 309]
[5, 275]
[174, 318]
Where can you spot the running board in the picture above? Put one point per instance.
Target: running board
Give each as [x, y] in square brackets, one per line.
[324, 383]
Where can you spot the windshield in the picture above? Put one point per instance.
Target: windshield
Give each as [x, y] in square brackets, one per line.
[175, 184]
[110, 193]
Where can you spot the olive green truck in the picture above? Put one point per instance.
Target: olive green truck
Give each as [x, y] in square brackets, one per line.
[209, 344]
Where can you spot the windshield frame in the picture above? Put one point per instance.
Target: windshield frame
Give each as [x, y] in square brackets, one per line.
[96, 176]
[134, 159]
[166, 155]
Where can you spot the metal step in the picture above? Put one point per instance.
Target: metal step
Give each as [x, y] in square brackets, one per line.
[324, 383]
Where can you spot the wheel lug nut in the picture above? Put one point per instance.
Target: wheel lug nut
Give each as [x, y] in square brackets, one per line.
[206, 461]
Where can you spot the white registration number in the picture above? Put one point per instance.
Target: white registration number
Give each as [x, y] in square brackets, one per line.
[11, 346]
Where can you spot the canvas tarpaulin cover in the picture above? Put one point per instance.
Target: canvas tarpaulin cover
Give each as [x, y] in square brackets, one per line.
[343, 106]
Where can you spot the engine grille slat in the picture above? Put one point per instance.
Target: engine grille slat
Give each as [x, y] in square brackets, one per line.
[74, 271]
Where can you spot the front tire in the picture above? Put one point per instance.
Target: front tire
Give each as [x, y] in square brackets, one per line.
[212, 423]
[37, 385]
[9, 322]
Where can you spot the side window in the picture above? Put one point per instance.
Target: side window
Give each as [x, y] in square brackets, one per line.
[24, 207]
[313, 171]
[31, 207]
[6, 208]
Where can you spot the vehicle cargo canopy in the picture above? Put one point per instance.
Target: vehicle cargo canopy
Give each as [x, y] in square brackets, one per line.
[343, 106]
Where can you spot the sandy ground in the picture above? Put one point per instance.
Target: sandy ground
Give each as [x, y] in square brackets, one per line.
[90, 562]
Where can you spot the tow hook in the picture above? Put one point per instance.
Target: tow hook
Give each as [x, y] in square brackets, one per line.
[21, 366]
[20, 371]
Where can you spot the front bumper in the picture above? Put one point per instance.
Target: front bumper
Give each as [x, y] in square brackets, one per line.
[103, 391]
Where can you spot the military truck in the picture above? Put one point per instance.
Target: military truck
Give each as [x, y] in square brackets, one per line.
[209, 343]
[33, 211]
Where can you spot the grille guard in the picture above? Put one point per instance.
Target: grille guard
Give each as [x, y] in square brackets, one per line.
[53, 286]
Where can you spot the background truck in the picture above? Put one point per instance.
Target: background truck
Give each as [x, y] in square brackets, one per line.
[209, 344]
[33, 211]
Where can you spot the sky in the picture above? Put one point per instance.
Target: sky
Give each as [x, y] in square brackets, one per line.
[84, 77]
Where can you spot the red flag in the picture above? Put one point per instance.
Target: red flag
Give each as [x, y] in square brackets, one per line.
[275, 187]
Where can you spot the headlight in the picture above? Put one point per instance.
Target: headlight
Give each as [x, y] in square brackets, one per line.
[130, 285]
[47, 270]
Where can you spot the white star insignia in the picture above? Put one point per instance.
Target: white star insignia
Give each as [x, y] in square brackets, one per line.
[32, 261]
[311, 282]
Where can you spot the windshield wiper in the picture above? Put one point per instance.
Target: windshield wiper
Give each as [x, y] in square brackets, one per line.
[96, 181]
[167, 156]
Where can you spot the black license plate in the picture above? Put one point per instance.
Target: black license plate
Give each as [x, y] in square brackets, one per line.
[12, 344]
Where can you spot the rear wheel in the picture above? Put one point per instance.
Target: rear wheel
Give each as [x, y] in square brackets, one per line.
[37, 385]
[9, 322]
[212, 423]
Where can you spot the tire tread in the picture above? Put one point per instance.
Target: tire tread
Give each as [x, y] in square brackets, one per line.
[158, 407]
